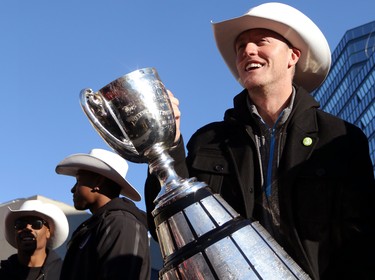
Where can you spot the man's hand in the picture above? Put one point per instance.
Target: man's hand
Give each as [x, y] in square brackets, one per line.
[177, 114]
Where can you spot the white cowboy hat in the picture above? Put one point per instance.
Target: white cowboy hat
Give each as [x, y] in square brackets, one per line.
[103, 162]
[53, 215]
[315, 61]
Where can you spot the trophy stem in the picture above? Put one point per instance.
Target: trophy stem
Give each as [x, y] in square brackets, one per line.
[160, 164]
[173, 187]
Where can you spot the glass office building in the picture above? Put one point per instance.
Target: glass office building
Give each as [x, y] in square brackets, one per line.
[349, 90]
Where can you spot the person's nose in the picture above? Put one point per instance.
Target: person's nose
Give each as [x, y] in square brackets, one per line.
[29, 227]
[73, 190]
[251, 49]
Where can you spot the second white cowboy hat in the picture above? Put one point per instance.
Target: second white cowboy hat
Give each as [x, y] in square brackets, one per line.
[53, 215]
[102, 162]
[315, 61]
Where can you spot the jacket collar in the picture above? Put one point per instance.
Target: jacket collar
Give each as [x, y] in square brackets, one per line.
[240, 111]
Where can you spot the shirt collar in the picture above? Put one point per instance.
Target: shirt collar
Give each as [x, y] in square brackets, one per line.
[283, 115]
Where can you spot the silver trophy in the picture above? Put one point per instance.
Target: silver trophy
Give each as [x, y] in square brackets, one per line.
[200, 235]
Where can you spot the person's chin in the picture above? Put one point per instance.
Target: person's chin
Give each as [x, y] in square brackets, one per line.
[27, 245]
[252, 84]
[248, 82]
[79, 206]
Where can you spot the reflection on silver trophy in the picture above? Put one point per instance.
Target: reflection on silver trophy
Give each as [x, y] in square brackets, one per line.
[200, 235]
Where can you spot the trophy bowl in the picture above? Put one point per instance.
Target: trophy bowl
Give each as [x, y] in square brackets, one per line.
[132, 114]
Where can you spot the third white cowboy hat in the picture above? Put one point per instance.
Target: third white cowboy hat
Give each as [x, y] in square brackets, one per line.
[102, 162]
[53, 215]
[315, 61]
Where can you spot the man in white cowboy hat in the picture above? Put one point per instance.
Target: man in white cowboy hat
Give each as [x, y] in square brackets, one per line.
[35, 230]
[304, 174]
[113, 242]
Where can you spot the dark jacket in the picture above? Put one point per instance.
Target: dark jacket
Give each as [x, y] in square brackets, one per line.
[11, 269]
[326, 190]
[112, 244]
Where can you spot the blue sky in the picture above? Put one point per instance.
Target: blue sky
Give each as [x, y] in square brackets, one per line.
[50, 50]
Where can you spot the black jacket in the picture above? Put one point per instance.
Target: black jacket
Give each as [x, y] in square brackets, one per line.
[326, 190]
[11, 269]
[112, 244]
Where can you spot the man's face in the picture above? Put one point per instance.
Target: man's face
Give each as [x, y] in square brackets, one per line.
[31, 233]
[263, 58]
[83, 195]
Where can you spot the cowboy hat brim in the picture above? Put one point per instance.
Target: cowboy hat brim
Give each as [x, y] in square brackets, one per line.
[315, 61]
[71, 164]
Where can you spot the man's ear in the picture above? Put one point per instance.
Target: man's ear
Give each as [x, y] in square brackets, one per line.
[99, 179]
[294, 57]
[48, 233]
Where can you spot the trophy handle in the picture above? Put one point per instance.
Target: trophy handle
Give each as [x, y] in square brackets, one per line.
[87, 95]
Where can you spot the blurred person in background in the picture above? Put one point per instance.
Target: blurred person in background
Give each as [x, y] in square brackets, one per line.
[113, 243]
[35, 230]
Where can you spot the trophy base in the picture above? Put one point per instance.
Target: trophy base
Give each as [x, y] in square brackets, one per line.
[202, 237]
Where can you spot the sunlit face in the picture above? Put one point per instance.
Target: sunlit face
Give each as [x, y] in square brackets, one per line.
[264, 58]
[83, 195]
[31, 233]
